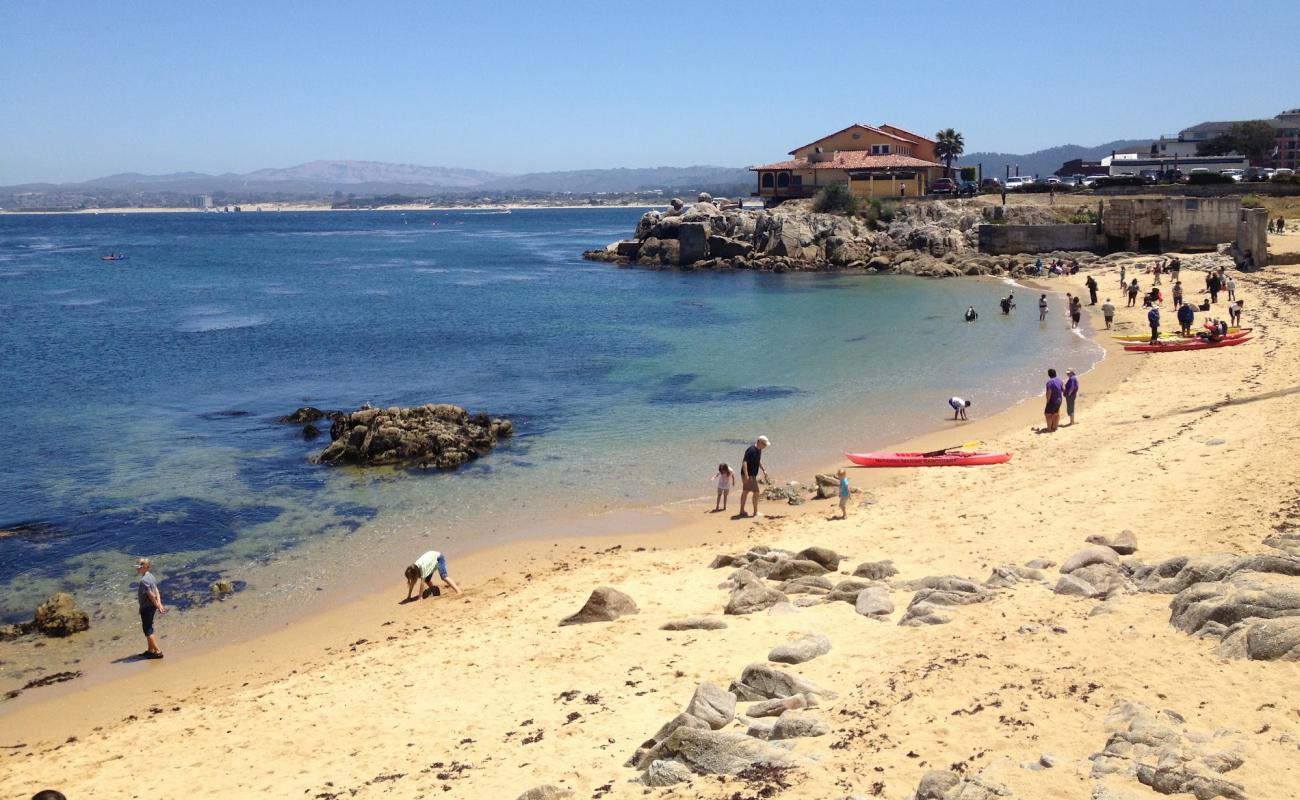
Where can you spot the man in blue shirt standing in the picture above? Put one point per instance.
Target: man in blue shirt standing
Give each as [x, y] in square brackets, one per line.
[750, 466]
[1153, 319]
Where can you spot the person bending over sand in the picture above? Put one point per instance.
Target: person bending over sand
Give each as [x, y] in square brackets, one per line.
[422, 570]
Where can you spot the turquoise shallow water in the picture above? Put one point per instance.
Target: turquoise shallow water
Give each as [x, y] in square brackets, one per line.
[143, 393]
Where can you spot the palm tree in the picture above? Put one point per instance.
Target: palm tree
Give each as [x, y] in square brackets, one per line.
[949, 145]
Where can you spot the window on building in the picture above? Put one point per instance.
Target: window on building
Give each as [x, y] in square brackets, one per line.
[857, 135]
[1191, 205]
[796, 180]
[880, 149]
[783, 179]
[768, 181]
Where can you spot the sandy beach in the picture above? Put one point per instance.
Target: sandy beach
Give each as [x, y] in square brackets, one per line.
[485, 696]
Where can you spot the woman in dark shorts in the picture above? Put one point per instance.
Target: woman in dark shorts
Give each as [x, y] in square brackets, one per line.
[1055, 392]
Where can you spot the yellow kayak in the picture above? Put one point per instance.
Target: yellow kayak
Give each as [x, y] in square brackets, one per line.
[1173, 335]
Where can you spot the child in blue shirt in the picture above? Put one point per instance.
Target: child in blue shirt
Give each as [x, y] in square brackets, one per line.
[844, 493]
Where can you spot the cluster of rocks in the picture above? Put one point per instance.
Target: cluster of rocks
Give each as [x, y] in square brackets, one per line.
[58, 616]
[694, 742]
[1249, 603]
[933, 239]
[431, 436]
[1162, 752]
[942, 784]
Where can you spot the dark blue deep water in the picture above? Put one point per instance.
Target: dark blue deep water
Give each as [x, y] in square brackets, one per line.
[141, 395]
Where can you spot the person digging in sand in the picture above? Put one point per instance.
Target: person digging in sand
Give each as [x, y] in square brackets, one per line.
[422, 570]
[959, 407]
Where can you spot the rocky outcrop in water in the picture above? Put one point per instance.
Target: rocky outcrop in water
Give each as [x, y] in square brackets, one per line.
[57, 616]
[935, 239]
[431, 436]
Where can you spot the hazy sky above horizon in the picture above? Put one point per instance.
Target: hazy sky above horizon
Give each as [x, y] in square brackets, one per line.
[95, 88]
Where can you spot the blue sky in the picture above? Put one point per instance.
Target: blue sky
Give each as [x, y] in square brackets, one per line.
[94, 88]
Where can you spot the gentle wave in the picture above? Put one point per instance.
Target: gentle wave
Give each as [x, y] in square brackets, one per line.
[223, 322]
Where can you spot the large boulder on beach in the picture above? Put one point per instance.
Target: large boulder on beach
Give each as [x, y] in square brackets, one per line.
[1240, 597]
[604, 605]
[805, 648]
[693, 243]
[719, 752]
[1266, 640]
[764, 682]
[1095, 554]
[795, 568]
[546, 791]
[431, 436]
[750, 595]
[876, 570]
[712, 704]
[59, 616]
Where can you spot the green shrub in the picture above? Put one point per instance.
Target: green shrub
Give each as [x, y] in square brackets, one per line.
[888, 211]
[1083, 215]
[1252, 201]
[1208, 178]
[835, 198]
[1286, 178]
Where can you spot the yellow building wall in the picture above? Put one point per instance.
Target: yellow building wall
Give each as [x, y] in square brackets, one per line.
[844, 141]
[887, 187]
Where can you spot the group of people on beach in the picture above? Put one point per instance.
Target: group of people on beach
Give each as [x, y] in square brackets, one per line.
[1058, 392]
[751, 465]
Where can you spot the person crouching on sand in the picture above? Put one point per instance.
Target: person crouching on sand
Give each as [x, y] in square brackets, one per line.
[422, 570]
[844, 493]
[959, 407]
[726, 481]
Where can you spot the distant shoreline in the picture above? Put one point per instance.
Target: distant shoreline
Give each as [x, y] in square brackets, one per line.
[265, 208]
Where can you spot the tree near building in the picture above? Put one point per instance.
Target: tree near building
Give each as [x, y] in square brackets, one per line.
[1254, 139]
[949, 145]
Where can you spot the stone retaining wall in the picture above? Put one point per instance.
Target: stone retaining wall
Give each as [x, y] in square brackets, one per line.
[1013, 239]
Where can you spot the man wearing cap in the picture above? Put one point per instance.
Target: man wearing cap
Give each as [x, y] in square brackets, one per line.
[750, 466]
[150, 604]
[422, 570]
[1071, 392]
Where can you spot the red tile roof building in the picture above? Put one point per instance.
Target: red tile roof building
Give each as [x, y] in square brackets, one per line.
[883, 161]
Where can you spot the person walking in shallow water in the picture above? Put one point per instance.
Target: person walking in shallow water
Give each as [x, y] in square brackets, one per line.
[1042, 307]
[750, 466]
[150, 604]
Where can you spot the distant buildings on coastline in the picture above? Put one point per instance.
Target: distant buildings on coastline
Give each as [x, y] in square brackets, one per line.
[1182, 151]
[873, 161]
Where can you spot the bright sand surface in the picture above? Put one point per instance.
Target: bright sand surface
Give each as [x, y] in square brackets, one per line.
[484, 696]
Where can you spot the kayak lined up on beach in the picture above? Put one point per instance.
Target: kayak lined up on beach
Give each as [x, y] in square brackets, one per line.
[944, 458]
[1187, 344]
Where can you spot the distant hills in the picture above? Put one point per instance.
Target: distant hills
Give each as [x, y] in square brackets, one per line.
[323, 179]
[1044, 162]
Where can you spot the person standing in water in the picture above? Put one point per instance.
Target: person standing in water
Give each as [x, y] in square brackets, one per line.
[1042, 307]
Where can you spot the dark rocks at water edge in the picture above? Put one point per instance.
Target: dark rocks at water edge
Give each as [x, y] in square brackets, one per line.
[933, 239]
[58, 616]
[430, 436]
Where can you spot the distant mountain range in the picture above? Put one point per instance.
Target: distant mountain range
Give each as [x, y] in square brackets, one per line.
[324, 178]
[1045, 162]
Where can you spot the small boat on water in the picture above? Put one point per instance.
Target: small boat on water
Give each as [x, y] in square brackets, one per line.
[1173, 335]
[1187, 344]
[114, 257]
[949, 458]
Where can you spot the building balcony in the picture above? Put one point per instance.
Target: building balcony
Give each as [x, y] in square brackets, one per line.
[791, 192]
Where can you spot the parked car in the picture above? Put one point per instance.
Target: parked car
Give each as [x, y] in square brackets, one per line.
[1283, 173]
[1091, 180]
[968, 188]
[1071, 181]
[1052, 179]
[992, 184]
[1235, 174]
[944, 186]
[1171, 175]
[1018, 182]
[1149, 175]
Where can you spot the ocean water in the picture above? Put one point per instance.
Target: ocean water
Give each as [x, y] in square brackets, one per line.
[142, 394]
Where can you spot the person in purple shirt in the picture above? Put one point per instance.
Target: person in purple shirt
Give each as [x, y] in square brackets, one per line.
[1055, 392]
[1071, 391]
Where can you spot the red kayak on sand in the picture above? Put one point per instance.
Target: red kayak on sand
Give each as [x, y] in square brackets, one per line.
[952, 458]
[1188, 345]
